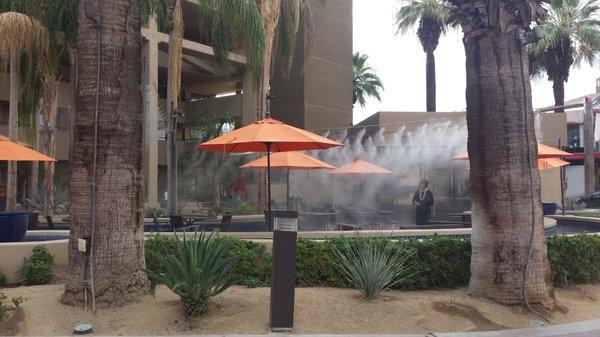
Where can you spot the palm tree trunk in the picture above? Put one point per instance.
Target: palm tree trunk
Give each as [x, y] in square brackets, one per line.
[270, 11]
[49, 111]
[430, 80]
[13, 131]
[35, 167]
[118, 246]
[558, 86]
[505, 182]
[173, 87]
[72, 98]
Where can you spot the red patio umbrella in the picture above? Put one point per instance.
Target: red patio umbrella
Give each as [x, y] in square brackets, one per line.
[268, 135]
[289, 160]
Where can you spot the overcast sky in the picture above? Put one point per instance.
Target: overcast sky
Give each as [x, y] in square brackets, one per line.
[400, 63]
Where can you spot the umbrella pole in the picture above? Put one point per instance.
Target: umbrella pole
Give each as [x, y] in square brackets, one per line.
[269, 211]
[288, 190]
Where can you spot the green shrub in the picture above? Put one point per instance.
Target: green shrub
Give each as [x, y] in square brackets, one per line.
[439, 261]
[373, 266]
[242, 207]
[7, 306]
[196, 270]
[158, 245]
[150, 212]
[2, 280]
[574, 259]
[37, 269]
[253, 267]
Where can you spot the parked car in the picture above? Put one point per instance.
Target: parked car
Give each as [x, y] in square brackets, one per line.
[590, 200]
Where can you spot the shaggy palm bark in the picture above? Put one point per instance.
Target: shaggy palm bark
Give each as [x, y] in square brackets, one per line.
[429, 34]
[118, 249]
[49, 111]
[504, 177]
[173, 87]
[13, 131]
[270, 11]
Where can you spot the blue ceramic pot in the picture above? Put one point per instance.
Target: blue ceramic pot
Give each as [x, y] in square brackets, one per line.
[13, 226]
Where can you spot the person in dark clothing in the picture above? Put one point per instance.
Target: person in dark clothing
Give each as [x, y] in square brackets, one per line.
[423, 200]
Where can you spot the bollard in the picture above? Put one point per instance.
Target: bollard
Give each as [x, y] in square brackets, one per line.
[283, 273]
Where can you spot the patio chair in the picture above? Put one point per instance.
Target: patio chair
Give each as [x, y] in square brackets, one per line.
[225, 221]
[349, 227]
[50, 222]
[177, 223]
[158, 226]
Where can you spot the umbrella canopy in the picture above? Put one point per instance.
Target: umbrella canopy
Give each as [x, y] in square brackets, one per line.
[292, 159]
[268, 135]
[543, 163]
[361, 167]
[548, 163]
[289, 160]
[278, 136]
[544, 151]
[11, 151]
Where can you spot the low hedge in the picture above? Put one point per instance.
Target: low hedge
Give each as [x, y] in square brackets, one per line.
[439, 262]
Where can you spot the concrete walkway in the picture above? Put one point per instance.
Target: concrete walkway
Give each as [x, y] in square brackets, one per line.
[578, 329]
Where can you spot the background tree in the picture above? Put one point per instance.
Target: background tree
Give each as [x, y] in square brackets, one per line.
[365, 82]
[432, 16]
[117, 252]
[282, 21]
[509, 261]
[572, 30]
[59, 19]
[19, 35]
[223, 23]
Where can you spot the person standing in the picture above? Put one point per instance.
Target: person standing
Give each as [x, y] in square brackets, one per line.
[425, 205]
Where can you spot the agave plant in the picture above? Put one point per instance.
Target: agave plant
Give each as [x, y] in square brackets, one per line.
[196, 270]
[373, 266]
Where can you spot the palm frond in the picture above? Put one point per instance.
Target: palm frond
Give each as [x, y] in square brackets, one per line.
[365, 82]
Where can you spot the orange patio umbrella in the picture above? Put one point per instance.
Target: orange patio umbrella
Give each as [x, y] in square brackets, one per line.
[548, 163]
[267, 135]
[11, 151]
[361, 167]
[289, 160]
[548, 157]
[544, 151]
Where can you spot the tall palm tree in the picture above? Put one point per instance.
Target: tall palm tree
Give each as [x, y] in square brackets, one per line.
[282, 21]
[572, 30]
[509, 262]
[115, 278]
[365, 82]
[19, 34]
[432, 16]
[225, 23]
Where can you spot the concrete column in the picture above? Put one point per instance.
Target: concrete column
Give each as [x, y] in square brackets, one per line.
[248, 98]
[150, 104]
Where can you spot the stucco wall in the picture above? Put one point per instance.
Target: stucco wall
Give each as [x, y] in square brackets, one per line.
[13, 253]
